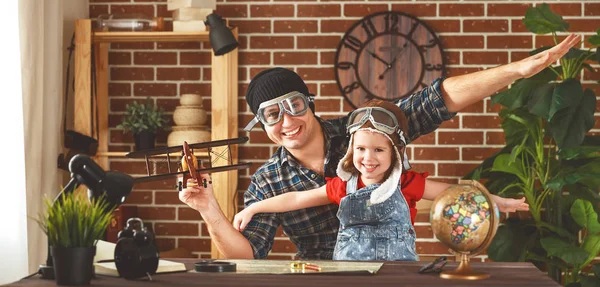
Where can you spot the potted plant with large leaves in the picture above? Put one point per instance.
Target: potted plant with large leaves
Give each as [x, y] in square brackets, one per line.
[143, 120]
[73, 225]
[549, 159]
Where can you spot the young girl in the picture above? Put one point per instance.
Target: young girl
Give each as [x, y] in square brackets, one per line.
[377, 198]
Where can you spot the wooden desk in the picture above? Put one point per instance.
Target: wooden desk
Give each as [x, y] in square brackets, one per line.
[391, 274]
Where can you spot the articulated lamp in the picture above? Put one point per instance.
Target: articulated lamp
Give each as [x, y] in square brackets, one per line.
[115, 186]
[221, 37]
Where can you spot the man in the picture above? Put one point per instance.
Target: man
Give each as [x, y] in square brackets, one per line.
[310, 149]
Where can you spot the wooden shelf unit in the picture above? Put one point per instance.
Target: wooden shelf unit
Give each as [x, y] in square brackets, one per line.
[224, 101]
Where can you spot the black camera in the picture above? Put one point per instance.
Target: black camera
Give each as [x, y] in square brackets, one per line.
[136, 255]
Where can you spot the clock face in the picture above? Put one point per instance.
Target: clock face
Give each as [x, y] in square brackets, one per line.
[387, 56]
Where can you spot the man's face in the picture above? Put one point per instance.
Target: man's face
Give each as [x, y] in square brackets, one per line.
[293, 132]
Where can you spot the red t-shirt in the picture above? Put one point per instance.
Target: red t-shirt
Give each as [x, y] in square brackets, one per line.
[412, 186]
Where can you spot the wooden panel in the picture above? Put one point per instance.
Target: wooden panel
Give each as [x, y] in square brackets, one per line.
[224, 126]
[102, 92]
[114, 37]
[83, 63]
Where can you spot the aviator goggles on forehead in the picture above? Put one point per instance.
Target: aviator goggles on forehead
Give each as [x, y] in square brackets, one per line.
[271, 112]
[381, 119]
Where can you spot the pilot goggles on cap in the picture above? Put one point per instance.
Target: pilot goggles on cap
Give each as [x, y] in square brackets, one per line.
[381, 119]
[271, 112]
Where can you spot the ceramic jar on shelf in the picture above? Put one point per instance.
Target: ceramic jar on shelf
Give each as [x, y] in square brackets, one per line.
[190, 122]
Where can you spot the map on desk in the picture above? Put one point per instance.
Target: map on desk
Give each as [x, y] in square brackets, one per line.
[284, 267]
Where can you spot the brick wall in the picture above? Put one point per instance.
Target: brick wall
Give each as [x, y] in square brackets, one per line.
[303, 35]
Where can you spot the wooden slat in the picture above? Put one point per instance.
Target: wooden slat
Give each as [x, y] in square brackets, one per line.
[83, 64]
[224, 118]
[116, 37]
[102, 93]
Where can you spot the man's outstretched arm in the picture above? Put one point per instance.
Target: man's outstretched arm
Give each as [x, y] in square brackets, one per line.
[461, 91]
[231, 243]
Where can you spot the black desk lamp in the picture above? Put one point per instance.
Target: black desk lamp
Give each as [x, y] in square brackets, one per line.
[115, 186]
[221, 37]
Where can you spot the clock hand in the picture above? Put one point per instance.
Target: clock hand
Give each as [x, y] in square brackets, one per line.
[378, 58]
[389, 66]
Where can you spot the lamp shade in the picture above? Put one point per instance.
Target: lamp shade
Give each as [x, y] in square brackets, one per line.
[220, 36]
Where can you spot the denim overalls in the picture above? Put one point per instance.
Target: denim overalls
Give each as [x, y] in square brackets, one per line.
[374, 232]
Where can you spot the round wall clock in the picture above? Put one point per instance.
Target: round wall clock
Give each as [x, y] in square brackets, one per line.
[387, 55]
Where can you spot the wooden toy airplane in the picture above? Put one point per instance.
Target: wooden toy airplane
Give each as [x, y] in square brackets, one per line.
[188, 164]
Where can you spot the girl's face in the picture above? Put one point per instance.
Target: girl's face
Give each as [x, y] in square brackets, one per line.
[372, 156]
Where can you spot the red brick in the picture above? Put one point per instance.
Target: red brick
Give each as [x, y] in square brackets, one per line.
[195, 58]
[293, 26]
[583, 25]
[139, 197]
[252, 26]
[318, 42]
[455, 169]
[320, 10]
[436, 153]
[177, 74]
[361, 10]
[544, 41]
[154, 213]
[165, 244]
[161, 11]
[232, 11]
[328, 105]
[283, 246]
[119, 89]
[294, 58]
[475, 153]
[464, 10]
[424, 231]
[131, 74]
[485, 26]
[417, 10]
[194, 244]
[316, 74]
[178, 45]
[517, 26]
[422, 216]
[174, 229]
[333, 26]
[119, 58]
[455, 42]
[437, 248]
[510, 42]
[495, 138]
[451, 124]
[155, 58]
[481, 122]
[452, 58]
[444, 26]
[160, 90]
[516, 56]
[202, 89]
[167, 197]
[92, 1]
[272, 42]
[128, 166]
[329, 90]
[423, 167]
[96, 10]
[460, 138]
[425, 139]
[485, 58]
[327, 58]
[132, 9]
[272, 11]
[187, 213]
[504, 9]
[132, 46]
[591, 9]
[259, 137]
[473, 108]
[254, 58]
[156, 184]
[566, 9]
[253, 152]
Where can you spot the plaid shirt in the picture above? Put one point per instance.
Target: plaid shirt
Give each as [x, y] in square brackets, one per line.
[314, 230]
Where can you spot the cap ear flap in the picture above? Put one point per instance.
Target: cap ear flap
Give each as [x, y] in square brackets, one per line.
[341, 173]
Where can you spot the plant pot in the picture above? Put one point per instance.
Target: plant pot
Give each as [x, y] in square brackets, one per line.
[144, 140]
[73, 266]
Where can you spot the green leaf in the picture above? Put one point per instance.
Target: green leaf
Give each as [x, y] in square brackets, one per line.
[566, 94]
[580, 152]
[589, 281]
[560, 231]
[508, 243]
[584, 214]
[569, 126]
[521, 90]
[541, 100]
[594, 40]
[569, 253]
[541, 20]
[596, 269]
[503, 164]
[591, 244]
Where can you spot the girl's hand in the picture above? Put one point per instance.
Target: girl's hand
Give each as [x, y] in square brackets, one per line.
[510, 204]
[241, 219]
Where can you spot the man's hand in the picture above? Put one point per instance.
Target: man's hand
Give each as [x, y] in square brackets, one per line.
[196, 196]
[242, 218]
[536, 63]
[510, 204]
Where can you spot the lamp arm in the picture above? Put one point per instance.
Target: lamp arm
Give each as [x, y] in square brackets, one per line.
[70, 187]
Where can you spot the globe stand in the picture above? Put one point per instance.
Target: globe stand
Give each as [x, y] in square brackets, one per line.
[464, 271]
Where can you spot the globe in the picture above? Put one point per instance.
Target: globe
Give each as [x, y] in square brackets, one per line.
[465, 218]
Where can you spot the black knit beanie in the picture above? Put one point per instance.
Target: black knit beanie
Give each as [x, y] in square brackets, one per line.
[273, 83]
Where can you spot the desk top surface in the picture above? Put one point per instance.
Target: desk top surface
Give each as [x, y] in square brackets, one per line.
[391, 274]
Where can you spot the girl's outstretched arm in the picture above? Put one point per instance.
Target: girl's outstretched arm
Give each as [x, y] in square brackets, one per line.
[282, 203]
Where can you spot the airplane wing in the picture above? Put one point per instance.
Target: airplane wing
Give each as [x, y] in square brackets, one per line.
[179, 148]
